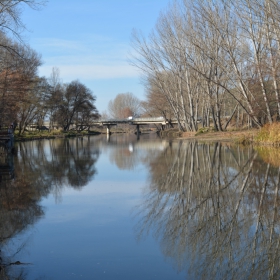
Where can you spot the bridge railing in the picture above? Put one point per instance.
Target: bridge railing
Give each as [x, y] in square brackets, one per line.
[130, 120]
[148, 119]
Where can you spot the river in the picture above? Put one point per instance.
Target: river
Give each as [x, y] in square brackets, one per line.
[148, 208]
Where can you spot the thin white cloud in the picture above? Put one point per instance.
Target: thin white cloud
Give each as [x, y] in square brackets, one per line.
[58, 44]
[87, 43]
[91, 72]
[96, 58]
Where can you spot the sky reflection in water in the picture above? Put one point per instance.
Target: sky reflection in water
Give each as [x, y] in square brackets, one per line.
[148, 209]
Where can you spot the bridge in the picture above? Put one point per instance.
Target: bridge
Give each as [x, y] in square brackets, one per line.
[133, 121]
[112, 122]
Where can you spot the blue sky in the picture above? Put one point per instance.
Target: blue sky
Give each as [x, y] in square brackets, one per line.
[89, 40]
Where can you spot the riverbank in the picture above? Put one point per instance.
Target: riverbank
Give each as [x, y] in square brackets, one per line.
[237, 136]
[45, 134]
[268, 135]
[240, 136]
[38, 135]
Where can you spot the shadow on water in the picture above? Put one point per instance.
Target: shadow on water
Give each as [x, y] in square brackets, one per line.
[39, 168]
[215, 210]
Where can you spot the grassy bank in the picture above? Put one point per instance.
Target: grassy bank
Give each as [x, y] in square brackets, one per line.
[237, 136]
[267, 135]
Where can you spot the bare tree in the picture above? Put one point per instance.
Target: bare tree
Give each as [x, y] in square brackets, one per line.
[54, 95]
[10, 16]
[124, 105]
[156, 104]
[32, 109]
[201, 54]
[18, 75]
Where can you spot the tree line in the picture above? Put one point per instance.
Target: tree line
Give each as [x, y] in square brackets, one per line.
[25, 97]
[212, 61]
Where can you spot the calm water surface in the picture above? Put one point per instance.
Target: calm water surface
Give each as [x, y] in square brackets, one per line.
[122, 208]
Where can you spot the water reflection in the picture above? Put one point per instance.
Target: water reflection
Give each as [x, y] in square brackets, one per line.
[19, 208]
[38, 169]
[212, 207]
[126, 151]
[215, 208]
[56, 163]
[6, 166]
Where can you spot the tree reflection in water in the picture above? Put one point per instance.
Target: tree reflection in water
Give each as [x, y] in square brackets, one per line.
[216, 208]
[130, 152]
[38, 169]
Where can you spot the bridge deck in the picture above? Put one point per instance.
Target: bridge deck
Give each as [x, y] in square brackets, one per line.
[133, 121]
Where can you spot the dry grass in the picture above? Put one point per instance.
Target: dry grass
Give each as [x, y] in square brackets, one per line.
[242, 136]
[269, 135]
